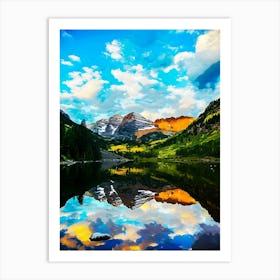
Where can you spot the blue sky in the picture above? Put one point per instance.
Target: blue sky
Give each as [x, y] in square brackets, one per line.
[157, 73]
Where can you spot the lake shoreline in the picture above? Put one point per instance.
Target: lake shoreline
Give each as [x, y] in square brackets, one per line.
[180, 160]
[151, 160]
[69, 162]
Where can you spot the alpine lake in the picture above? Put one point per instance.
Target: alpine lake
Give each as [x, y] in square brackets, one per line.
[140, 205]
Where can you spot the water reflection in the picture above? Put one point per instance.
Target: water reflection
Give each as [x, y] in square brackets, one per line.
[152, 226]
[140, 206]
[200, 180]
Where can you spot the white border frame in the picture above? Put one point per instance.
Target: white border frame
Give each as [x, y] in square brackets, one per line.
[55, 25]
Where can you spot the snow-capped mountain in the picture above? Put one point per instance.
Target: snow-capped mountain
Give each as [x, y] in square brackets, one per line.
[132, 123]
[134, 126]
[113, 193]
[106, 127]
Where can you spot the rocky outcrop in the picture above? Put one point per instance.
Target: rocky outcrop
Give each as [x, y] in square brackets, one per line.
[98, 236]
[174, 124]
[153, 136]
[131, 124]
[106, 127]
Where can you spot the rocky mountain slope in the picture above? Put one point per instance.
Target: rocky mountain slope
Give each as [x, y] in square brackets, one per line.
[200, 138]
[131, 124]
[106, 127]
[174, 124]
[134, 126]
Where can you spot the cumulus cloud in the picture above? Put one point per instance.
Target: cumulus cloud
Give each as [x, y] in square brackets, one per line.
[159, 113]
[65, 62]
[150, 115]
[65, 96]
[114, 50]
[156, 76]
[65, 107]
[207, 52]
[153, 73]
[86, 84]
[74, 58]
[133, 80]
[89, 89]
[186, 97]
[209, 41]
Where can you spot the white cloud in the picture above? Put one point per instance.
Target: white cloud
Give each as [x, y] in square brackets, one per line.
[65, 96]
[191, 31]
[153, 74]
[174, 49]
[182, 78]
[187, 100]
[138, 68]
[65, 62]
[132, 81]
[65, 107]
[129, 104]
[154, 114]
[114, 49]
[90, 108]
[74, 58]
[209, 41]
[89, 89]
[178, 58]
[207, 52]
[167, 111]
[150, 115]
[85, 85]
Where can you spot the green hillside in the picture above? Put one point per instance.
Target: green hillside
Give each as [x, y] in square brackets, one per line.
[199, 139]
[77, 142]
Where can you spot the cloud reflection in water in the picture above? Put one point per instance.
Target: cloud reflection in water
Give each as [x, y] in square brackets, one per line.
[153, 226]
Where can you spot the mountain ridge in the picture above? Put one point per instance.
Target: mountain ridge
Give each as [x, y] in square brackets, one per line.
[133, 126]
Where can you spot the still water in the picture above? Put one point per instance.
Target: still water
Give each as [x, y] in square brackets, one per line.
[140, 206]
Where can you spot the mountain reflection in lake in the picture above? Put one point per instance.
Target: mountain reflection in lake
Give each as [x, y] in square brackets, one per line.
[140, 206]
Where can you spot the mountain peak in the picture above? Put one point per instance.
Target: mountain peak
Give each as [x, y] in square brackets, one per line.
[106, 127]
[116, 118]
[64, 114]
[131, 123]
[83, 123]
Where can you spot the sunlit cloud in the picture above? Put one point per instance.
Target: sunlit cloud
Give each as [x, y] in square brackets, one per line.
[132, 81]
[65, 62]
[207, 52]
[74, 58]
[114, 50]
[86, 84]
